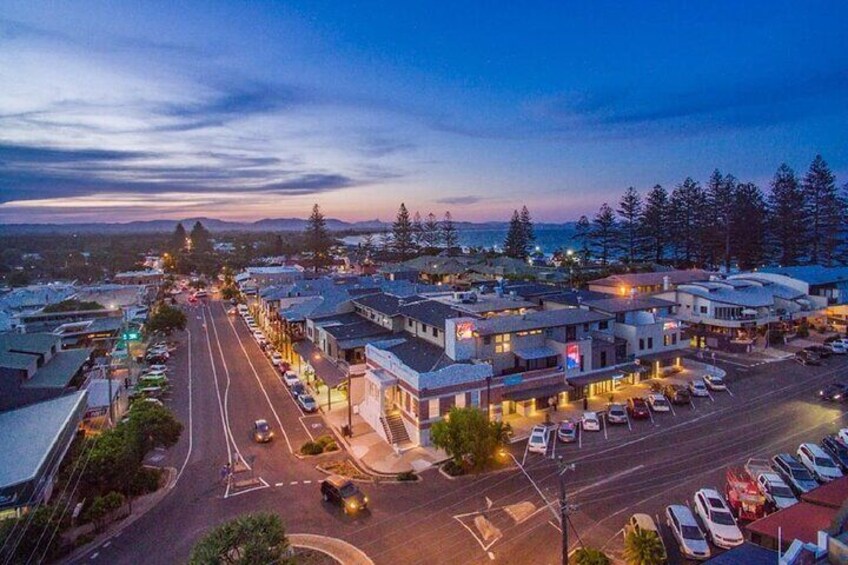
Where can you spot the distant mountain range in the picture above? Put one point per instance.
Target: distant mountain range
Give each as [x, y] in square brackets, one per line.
[215, 225]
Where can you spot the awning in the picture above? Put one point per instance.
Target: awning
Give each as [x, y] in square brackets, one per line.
[539, 392]
[530, 353]
[600, 376]
[661, 356]
[325, 369]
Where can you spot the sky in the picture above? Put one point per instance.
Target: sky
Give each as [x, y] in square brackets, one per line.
[118, 111]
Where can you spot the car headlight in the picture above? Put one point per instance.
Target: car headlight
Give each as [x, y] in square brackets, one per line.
[351, 505]
[365, 499]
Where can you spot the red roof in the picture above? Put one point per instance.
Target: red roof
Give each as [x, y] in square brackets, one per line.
[832, 494]
[800, 521]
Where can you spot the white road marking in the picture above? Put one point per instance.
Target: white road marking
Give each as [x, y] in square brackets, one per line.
[532, 482]
[94, 555]
[307, 482]
[107, 544]
[491, 556]
[220, 404]
[190, 420]
[279, 484]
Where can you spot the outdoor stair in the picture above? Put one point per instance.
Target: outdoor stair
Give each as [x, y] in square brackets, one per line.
[394, 428]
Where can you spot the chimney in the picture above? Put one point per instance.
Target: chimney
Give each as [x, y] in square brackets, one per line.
[666, 283]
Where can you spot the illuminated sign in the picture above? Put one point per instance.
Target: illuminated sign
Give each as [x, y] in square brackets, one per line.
[668, 326]
[464, 330]
[572, 356]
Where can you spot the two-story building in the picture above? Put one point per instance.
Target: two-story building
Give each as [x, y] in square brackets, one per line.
[627, 284]
[827, 283]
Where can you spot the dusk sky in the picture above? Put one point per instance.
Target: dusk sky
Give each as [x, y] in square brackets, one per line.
[118, 111]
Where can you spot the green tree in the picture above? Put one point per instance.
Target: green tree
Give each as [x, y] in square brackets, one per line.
[654, 224]
[591, 556]
[368, 245]
[430, 237]
[630, 211]
[583, 234]
[604, 233]
[73, 305]
[515, 243]
[165, 319]
[317, 239]
[720, 196]
[448, 234]
[823, 210]
[178, 239]
[468, 437]
[787, 217]
[402, 235]
[527, 231]
[39, 539]
[417, 231]
[153, 426]
[748, 221]
[245, 540]
[200, 239]
[688, 214]
[643, 547]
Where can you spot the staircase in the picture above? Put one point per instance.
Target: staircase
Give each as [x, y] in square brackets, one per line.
[394, 428]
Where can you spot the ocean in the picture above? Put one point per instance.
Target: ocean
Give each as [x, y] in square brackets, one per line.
[548, 240]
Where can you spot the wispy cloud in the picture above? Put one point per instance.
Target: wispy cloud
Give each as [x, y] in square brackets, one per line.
[459, 200]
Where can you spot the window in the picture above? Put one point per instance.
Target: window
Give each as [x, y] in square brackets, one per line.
[673, 339]
[435, 332]
[434, 408]
[650, 343]
[703, 309]
[409, 322]
[641, 344]
[666, 340]
[570, 333]
[603, 325]
[475, 398]
[585, 327]
[603, 359]
[460, 400]
[487, 340]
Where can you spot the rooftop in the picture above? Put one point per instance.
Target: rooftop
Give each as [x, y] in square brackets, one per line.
[350, 326]
[538, 320]
[574, 297]
[417, 354]
[745, 554]
[736, 294]
[430, 312]
[484, 303]
[833, 494]
[622, 304]
[800, 521]
[29, 434]
[61, 368]
[652, 279]
[34, 343]
[387, 304]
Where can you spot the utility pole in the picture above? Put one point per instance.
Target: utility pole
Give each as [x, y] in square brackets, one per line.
[562, 467]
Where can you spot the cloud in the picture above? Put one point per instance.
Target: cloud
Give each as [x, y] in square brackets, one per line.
[460, 200]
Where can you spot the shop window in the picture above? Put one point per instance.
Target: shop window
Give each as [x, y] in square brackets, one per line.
[703, 309]
[487, 340]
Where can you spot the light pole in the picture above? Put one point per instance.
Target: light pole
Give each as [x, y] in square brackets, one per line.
[562, 467]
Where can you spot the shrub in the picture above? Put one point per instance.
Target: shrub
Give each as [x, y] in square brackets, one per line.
[311, 448]
[407, 476]
[146, 480]
[453, 469]
[325, 440]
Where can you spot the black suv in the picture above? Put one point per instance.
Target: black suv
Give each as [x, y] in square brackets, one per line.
[837, 451]
[677, 394]
[343, 492]
[796, 475]
[819, 350]
[807, 358]
[834, 392]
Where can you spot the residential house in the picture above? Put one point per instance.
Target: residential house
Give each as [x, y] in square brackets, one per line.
[646, 283]
[148, 277]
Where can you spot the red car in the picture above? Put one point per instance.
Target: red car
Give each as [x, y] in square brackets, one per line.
[192, 299]
[638, 408]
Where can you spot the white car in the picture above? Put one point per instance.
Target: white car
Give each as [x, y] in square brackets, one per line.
[658, 403]
[686, 532]
[257, 335]
[819, 463]
[161, 368]
[276, 359]
[242, 309]
[307, 403]
[776, 491]
[290, 379]
[714, 382]
[842, 435]
[719, 522]
[590, 422]
[698, 388]
[538, 442]
[157, 374]
[837, 348]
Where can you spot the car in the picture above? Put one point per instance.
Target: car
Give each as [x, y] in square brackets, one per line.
[687, 534]
[638, 408]
[644, 523]
[777, 493]
[297, 389]
[290, 379]
[307, 403]
[192, 299]
[807, 358]
[159, 367]
[677, 394]
[837, 451]
[837, 348]
[820, 350]
[817, 462]
[658, 403]
[343, 492]
[150, 391]
[833, 392]
[153, 380]
[242, 309]
[842, 435]
[714, 382]
[793, 473]
[154, 374]
[590, 422]
[248, 319]
[616, 413]
[538, 441]
[156, 359]
[201, 294]
[232, 312]
[257, 335]
[276, 358]
[262, 432]
[698, 388]
[717, 519]
[567, 431]
[657, 386]
[843, 341]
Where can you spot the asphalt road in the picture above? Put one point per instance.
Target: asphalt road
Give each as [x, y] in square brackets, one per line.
[222, 383]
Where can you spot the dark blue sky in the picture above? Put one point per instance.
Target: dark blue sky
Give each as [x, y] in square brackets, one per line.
[238, 110]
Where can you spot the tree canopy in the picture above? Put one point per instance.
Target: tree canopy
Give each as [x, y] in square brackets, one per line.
[468, 437]
[165, 319]
[248, 539]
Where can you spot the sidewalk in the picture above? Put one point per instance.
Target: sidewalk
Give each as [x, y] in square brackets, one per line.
[375, 454]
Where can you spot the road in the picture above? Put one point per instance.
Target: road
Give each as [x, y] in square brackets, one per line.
[222, 383]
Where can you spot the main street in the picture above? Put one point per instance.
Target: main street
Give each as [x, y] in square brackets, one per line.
[222, 383]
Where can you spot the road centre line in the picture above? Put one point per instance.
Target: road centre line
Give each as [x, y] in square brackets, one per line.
[218, 396]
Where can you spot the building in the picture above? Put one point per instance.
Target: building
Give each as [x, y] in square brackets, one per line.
[148, 277]
[104, 396]
[262, 276]
[802, 522]
[732, 314]
[646, 283]
[486, 304]
[745, 554]
[34, 442]
[828, 283]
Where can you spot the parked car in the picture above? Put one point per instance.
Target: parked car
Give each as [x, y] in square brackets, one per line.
[262, 432]
[567, 431]
[644, 522]
[686, 532]
[817, 462]
[616, 413]
[201, 294]
[153, 380]
[290, 379]
[842, 435]
[258, 335]
[297, 389]
[677, 394]
[698, 388]
[658, 403]
[837, 451]
[714, 382]
[719, 523]
[154, 373]
[538, 442]
[833, 392]
[158, 367]
[807, 358]
[343, 492]
[242, 309]
[590, 422]
[796, 475]
[837, 348]
[232, 312]
[820, 350]
[638, 408]
[307, 403]
[777, 492]
[276, 358]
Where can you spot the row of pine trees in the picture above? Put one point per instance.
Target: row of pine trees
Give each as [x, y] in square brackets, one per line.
[725, 223]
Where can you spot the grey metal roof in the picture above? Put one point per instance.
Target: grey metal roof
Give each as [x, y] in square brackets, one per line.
[61, 368]
[812, 274]
[539, 352]
[652, 279]
[12, 360]
[29, 434]
[627, 304]
[750, 297]
[574, 297]
[417, 354]
[538, 320]
[354, 329]
[430, 312]
[387, 304]
[37, 343]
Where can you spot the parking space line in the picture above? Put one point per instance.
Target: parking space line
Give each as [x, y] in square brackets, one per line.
[554, 440]
[606, 424]
[580, 436]
[651, 415]
[671, 407]
[629, 425]
[728, 391]
[710, 395]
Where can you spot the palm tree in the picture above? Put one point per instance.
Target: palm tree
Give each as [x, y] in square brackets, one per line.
[643, 547]
[591, 556]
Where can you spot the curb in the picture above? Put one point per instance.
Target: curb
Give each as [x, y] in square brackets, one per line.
[340, 550]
